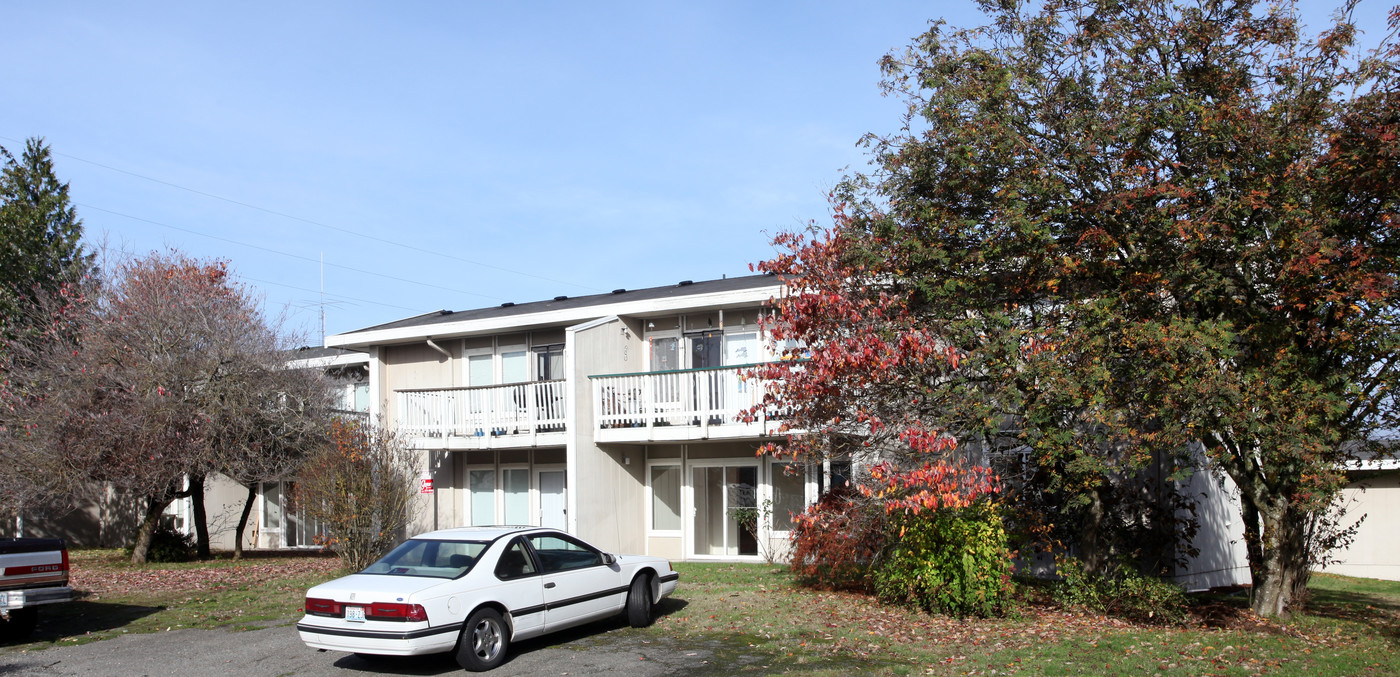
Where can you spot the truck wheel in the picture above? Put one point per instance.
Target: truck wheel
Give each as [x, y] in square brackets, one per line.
[639, 602]
[482, 645]
[19, 625]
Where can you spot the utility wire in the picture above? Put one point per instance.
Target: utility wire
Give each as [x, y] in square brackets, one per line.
[334, 296]
[319, 224]
[282, 253]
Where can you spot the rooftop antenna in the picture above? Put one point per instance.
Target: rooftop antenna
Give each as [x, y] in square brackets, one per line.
[323, 296]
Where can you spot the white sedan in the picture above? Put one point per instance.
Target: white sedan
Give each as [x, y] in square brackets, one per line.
[474, 590]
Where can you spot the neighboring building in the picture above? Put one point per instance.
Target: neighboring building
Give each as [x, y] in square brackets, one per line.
[614, 416]
[1222, 560]
[107, 520]
[273, 522]
[1374, 491]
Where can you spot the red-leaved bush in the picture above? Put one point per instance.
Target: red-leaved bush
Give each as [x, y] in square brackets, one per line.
[836, 541]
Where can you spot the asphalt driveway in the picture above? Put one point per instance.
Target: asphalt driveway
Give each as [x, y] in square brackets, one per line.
[607, 647]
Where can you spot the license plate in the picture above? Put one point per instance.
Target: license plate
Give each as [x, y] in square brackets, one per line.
[355, 613]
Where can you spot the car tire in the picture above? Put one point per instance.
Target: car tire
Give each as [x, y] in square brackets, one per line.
[639, 602]
[483, 643]
[19, 625]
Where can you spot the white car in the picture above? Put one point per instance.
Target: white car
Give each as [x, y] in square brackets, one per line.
[474, 590]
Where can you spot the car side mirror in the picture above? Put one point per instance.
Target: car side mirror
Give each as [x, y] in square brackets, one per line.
[609, 559]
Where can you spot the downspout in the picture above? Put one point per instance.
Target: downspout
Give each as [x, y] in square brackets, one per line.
[439, 348]
[429, 455]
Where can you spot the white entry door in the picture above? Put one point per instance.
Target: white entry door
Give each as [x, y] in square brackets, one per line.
[552, 503]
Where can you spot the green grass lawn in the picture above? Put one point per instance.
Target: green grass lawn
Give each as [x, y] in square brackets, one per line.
[1350, 627]
[754, 620]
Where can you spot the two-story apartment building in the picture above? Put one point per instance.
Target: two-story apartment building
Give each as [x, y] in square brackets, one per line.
[619, 417]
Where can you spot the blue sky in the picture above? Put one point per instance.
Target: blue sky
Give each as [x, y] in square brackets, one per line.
[491, 152]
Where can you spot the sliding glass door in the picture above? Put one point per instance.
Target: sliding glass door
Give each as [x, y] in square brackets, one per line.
[724, 510]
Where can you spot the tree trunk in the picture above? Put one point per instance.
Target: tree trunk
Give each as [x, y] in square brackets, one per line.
[1283, 572]
[1253, 537]
[1275, 533]
[155, 506]
[1091, 548]
[243, 520]
[201, 518]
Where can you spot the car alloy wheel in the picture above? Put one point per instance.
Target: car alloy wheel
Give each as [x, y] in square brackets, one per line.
[483, 642]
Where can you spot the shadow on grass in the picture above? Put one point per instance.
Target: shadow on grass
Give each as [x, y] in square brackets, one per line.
[1375, 611]
[80, 618]
[439, 664]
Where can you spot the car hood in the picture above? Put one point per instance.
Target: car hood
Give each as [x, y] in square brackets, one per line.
[375, 588]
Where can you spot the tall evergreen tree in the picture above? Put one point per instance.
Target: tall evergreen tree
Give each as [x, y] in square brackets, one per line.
[40, 232]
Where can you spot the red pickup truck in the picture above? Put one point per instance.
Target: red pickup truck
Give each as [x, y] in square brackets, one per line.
[33, 572]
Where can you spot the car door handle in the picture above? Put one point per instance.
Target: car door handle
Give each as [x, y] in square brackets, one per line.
[548, 586]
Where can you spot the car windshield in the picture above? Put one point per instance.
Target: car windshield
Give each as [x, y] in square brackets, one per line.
[430, 558]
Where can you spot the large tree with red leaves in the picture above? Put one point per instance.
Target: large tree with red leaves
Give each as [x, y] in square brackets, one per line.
[1109, 232]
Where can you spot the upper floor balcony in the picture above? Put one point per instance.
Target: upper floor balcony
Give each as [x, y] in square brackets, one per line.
[487, 417]
[680, 405]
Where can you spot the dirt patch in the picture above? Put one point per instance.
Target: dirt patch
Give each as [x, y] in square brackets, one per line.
[1228, 616]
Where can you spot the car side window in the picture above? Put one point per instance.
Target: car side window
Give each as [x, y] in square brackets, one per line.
[515, 562]
[561, 553]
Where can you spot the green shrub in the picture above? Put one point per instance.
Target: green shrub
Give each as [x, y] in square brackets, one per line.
[954, 562]
[168, 545]
[1127, 594]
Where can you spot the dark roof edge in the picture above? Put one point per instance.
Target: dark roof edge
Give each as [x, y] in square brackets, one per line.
[684, 288]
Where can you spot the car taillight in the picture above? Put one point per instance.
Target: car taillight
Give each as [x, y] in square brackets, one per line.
[394, 611]
[65, 560]
[323, 607]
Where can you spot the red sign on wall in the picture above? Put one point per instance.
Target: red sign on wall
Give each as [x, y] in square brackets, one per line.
[426, 484]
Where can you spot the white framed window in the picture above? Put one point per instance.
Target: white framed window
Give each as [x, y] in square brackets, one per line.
[270, 517]
[515, 495]
[481, 367]
[481, 496]
[515, 363]
[789, 487]
[549, 362]
[664, 351]
[664, 480]
[742, 348]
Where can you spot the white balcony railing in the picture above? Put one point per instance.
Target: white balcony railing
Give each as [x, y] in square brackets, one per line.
[360, 417]
[487, 411]
[695, 398]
